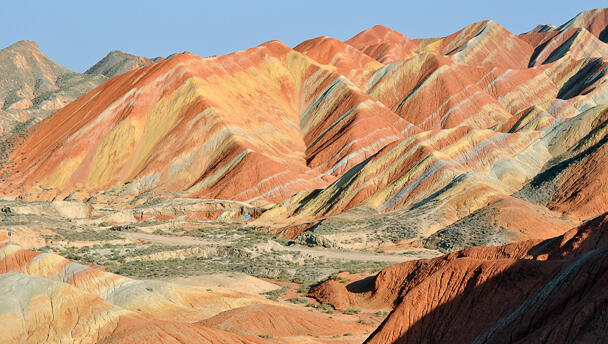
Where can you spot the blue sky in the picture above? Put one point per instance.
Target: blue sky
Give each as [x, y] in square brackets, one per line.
[77, 34]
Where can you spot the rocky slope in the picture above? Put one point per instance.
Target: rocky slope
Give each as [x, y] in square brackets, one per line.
[390, 147]
[199, 100]
[32, 86]
[118, 62]
[528, 292]
[437, 128]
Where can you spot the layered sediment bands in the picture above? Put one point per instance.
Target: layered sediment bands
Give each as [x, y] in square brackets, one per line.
[441, 126]
[574, 184]
[484, 43]
[578, 44]
[594, 21]
[449, 174]
[159, 299]
[433, 92]
[38, 310]
[384, 44]
[532, 292]
[349, 61]
[46, 298]
[407, 172]
[149, 123]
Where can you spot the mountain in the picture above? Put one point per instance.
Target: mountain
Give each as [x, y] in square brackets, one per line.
[32, 86]
[595, 21]
[349, 62]
[321, 126]
[383, 44]
[331, 127]
[485, 43]
[118, 62]
[446, 189]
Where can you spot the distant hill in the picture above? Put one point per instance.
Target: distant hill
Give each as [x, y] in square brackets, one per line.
[32, 86]
[118, 62]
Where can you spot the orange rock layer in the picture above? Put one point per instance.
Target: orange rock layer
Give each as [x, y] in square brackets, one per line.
[529, 292]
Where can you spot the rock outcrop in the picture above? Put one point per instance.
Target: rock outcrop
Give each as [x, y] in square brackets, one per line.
[528, 292]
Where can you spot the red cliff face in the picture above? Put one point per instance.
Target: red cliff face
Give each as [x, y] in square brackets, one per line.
[529, 292]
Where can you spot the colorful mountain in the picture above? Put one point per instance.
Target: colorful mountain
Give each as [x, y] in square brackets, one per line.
[379, 122]
[456, 144]
[321, 125]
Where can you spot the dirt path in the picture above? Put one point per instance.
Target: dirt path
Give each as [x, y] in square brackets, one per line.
[310, 251]
[170, 240]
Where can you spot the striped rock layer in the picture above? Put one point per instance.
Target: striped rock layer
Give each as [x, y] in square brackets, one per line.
[379, 121]
[47, 298]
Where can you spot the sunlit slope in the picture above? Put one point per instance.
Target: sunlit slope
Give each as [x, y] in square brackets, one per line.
[457, 171]
[484, 43]
[256, 124]
[159, 299]
[434, 92]
[409, 171]
[349, 61]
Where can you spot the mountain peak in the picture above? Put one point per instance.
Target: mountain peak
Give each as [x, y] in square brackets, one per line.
[376, 34]
[541, 28]
[595, 21]
[117, 62]
[25, 44]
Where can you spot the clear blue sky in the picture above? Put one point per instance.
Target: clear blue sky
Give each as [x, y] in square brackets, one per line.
[77, 34]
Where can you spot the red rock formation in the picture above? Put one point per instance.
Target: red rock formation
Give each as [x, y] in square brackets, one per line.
[383, 44]
[321, 125]
[458, 121]
[481, 44]
[533, 292]
[161, 300]
[551, 46]
[280, 322]
[594, 21]
[350, 62]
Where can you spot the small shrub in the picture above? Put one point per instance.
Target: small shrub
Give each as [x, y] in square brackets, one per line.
[298, 300]
[275, 294]
[351, 311]
[304, 288]
[326, 308]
